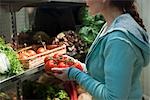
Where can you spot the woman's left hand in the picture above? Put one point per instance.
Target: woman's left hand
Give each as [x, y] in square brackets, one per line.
[60, 73]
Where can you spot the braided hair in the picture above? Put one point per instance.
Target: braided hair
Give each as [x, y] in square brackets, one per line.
[128, 6]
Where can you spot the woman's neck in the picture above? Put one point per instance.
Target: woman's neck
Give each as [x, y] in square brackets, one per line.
[111, 13]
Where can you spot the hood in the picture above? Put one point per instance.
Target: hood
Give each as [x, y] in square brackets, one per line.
[135, 33]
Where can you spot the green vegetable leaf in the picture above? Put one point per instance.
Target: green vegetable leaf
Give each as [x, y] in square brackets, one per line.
[16, 66]
[62, 95]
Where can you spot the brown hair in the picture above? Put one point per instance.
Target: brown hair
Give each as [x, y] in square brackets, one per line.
[128, 6]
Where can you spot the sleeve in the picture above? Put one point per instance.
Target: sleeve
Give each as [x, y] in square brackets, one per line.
[118, 68]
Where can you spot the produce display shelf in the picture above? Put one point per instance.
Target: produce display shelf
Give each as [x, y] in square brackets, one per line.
[27, 74]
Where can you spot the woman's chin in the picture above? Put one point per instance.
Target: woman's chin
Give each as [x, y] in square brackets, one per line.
[92, 13]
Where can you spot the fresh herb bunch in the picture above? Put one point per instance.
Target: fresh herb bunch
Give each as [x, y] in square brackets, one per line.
[16, 66]
[91, 25]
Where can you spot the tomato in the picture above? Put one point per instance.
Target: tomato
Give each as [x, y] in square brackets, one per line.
[49, 64]
[78, 65]
[46, 59]
[63, 58]
[70, 62]
[25, 53]
[22, 56]
[62, 65]
[56, 55]
[51, 46]
[31, 52]
[40, 50]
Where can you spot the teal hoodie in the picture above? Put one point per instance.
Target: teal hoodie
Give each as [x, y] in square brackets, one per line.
[115, 61]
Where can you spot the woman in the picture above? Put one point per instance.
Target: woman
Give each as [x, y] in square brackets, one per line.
[117, 56]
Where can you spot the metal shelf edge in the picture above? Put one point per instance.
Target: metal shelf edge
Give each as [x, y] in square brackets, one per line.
[17, 78]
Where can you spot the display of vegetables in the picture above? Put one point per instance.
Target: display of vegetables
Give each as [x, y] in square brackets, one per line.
[34, 50]
[77, 44]
[76, 47]
[24, 54]
[60, 61]
[15, 65]
[38, 91]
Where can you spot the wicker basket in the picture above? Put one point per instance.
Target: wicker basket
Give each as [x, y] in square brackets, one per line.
[39, 58]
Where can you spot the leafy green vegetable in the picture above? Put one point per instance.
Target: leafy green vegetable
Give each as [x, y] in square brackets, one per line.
[16, 66]
[56, 92]
[2, 41]
[91, 25]
[62, 95]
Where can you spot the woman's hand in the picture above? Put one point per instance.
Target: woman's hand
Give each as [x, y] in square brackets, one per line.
[60, 73]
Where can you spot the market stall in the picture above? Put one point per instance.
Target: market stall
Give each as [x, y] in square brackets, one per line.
[25, 52]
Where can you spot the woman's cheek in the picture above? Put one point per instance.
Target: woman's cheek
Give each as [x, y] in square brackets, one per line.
[89, 2]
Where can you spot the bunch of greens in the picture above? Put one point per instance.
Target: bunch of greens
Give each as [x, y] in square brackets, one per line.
[54, 92]
[91, 25]
[16, 66]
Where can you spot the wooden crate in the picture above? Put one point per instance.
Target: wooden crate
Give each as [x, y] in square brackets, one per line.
[38, 59]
